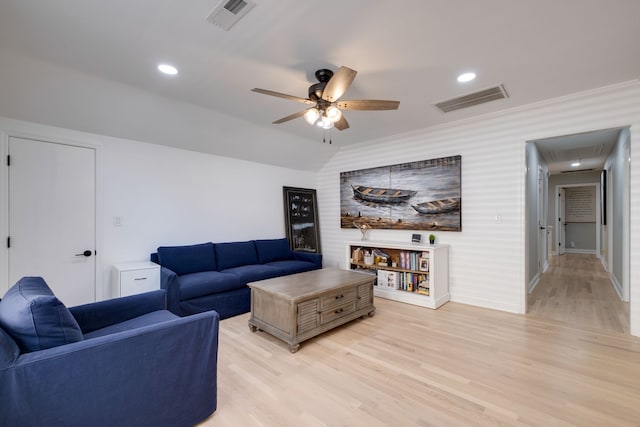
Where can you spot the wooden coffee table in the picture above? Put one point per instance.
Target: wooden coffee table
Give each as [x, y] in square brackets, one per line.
[300, 306]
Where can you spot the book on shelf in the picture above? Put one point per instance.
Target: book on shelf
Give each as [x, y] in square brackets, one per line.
[387, 279]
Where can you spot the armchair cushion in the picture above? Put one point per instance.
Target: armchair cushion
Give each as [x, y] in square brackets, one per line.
[188, 259]
[235, 254]
[273, 250]
[32, 315]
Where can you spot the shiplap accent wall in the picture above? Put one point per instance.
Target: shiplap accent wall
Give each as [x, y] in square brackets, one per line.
[487, 259]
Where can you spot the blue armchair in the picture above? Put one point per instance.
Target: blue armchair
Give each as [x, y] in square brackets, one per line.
[121, 362]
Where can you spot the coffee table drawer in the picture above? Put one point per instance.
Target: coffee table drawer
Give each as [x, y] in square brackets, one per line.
[333, 313]
[335, 299]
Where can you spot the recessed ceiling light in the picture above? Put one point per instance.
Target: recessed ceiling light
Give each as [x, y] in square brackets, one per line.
[575, 164]
[168, 69]
[466, 77]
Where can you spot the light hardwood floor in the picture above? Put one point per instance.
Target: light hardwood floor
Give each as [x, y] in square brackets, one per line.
[576, 289]
[410, 366]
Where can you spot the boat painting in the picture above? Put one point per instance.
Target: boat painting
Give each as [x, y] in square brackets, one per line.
[382, 195]
[420, 195]
[438, 206]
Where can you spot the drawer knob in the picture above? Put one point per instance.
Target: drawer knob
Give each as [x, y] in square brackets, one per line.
[140, 278]
[339, 296]
[339, 311]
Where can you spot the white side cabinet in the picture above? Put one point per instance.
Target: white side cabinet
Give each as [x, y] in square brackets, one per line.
[135, 277]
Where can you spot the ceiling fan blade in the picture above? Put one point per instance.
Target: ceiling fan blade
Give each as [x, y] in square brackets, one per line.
[290, 117]
[283, 95]
[368, 104]
[341, 124]
[339, 83]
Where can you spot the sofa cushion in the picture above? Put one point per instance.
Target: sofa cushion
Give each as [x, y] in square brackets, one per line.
[9, 350]
[292, 266]
[188, 259]
[32, 315]
[273, 250]
[235, 254]
[254, 272]
[146, 319]
[195, 285]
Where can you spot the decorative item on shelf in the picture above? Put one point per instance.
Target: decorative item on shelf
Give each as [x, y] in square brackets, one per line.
[356, 255]
[363, 227]
[416, 238]
[432, 238]
[368, 258]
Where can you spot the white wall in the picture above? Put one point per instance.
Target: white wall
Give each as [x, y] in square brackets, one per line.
[617, 164]
[168, 196]
[487, 259]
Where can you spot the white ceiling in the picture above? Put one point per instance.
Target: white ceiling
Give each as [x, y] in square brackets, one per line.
[589, 149]
[409, 51]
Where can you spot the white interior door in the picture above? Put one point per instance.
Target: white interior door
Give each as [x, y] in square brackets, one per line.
[52, 211]
[542, 222]
[561, 222]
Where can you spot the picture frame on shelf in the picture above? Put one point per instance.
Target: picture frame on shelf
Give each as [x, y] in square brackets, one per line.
[301, 219]
[423, 264]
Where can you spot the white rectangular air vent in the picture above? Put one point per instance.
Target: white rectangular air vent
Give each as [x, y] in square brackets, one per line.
[228, 12]
[476, 98]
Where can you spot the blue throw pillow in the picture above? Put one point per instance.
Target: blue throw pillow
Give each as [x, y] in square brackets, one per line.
[235, 254]
[188, 259]
[270, 250]
[32, 315]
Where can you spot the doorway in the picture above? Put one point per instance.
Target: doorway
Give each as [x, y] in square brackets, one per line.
[52, 217]
[579, 286]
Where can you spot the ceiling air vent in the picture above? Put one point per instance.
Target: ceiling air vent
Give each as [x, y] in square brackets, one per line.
[577, 170]
[228, 12]
[476, 98]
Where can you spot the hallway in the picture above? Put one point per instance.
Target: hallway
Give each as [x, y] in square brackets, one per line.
[576, 290]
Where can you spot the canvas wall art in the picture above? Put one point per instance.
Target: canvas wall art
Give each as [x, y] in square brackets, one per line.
[420, 195]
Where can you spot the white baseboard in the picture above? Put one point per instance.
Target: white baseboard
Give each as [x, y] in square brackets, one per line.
[546, 265]
[616, 285]
[533, 283]
[580, 251]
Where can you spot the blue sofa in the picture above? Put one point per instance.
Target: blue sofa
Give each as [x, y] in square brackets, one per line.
[210, 276]
[121, 362]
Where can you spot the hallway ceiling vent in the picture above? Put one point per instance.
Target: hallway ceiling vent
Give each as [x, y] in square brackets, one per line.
[578, 170]
[228, 12]
[476, 98]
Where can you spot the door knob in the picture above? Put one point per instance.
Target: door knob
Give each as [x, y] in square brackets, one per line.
[85, 253]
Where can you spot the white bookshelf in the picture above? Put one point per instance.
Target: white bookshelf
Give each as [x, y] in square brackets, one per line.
[409, 284]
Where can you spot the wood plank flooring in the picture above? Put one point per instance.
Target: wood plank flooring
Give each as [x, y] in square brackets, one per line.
[410, 366]
[576, 289]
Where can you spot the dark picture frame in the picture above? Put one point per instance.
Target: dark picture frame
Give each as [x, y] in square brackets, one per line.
[301, 219]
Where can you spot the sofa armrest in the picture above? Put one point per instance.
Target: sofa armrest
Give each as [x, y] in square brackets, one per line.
[97, 315]
[171, 284]
[159, 374]
[308, 256]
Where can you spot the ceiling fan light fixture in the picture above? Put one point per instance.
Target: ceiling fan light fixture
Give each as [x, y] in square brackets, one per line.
[325, 122]
[311, 115]
[333, 113]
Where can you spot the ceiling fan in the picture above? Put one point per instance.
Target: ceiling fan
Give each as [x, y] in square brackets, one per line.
[326, 110]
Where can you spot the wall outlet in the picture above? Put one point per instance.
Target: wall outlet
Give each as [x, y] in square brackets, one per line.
[118, 221]
[572, 244]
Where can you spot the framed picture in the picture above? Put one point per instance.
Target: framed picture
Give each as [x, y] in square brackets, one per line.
[423, 264]
[301, 219]
[419, 195]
